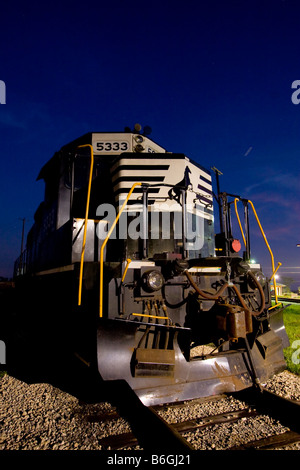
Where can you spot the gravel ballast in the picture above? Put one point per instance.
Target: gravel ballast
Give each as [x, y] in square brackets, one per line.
[41, 417]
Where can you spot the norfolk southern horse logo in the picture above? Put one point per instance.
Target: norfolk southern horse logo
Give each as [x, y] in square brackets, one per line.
[175, 192]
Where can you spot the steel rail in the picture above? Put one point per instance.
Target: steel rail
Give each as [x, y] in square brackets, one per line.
[151, 431]
[283, 409]
[121, 441]
[264, 402]
[285, 299]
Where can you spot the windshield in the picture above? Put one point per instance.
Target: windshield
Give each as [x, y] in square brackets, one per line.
[167, 233]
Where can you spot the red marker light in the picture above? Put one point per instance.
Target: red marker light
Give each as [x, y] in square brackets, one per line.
[236, 245]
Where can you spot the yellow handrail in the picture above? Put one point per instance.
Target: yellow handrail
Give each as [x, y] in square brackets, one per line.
[150, 316]
[104, 244]
[238, 219]
[126, 269]
[85, 221]
[278, 266]
[266, 242]
[269, 248]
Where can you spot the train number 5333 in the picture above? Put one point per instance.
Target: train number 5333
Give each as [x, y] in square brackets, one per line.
[112, 146]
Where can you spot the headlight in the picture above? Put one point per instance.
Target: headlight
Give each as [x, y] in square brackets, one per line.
[153, 280]
[260, 277]
[139, 148]
[139, 139]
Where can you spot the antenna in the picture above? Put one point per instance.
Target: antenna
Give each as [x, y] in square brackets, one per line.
[218, 198]
[217, 173]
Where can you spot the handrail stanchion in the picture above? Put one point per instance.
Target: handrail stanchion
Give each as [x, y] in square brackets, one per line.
[239, 221]
[104, 244]
[266, 242]
[269, 248]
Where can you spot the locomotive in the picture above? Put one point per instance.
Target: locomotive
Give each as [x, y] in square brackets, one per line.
[123, 269]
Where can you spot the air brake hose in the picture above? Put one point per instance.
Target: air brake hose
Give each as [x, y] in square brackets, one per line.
[262, 295]
[218, 294]
[203, 294]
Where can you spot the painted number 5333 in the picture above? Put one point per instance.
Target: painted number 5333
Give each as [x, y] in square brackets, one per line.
[112, 146]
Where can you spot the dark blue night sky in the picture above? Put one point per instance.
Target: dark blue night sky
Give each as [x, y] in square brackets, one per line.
[213, 79]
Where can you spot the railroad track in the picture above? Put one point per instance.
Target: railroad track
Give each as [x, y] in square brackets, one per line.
[292, 300]
[154, 430]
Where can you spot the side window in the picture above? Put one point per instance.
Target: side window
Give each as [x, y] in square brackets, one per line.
[51, 189]
[77, 172]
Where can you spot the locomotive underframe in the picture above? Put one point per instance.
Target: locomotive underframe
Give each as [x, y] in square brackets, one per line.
[227, 371]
